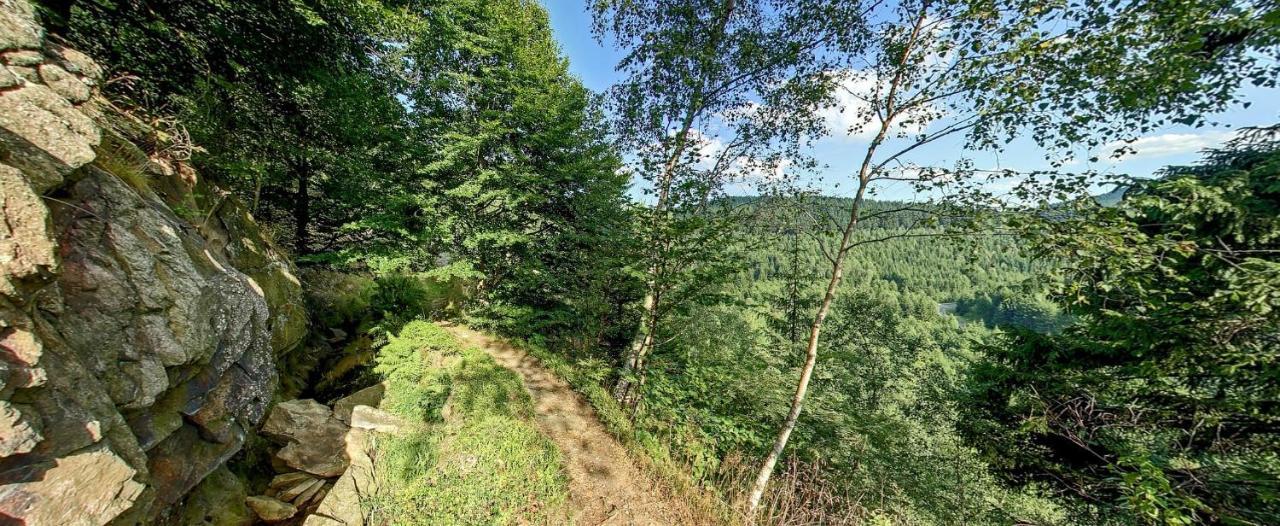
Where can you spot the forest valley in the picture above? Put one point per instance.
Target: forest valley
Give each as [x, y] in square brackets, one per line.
[1007, 348]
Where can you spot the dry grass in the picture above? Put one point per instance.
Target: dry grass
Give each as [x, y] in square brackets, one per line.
[799, 494]
[117, 156]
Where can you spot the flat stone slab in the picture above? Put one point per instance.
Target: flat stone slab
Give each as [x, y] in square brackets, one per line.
[271, 510]
[370, 396]
[313, 439]
[374, 419]
[342, 505]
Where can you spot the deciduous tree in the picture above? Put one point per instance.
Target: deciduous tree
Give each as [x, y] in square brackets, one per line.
[714, 90]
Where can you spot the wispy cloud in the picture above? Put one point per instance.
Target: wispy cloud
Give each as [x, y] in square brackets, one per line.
[761, 171]
[710, 153]
[1165, 145]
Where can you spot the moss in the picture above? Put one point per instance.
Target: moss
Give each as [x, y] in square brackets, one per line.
[475, 455]
[217, 501]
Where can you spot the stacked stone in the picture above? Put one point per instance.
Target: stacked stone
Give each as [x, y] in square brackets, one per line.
[315, 446]
[311, 452]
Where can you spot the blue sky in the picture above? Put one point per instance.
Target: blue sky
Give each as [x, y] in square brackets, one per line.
[594, 63]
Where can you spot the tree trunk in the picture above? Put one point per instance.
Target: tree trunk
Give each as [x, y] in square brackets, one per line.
[810, 360]
[633, 367]
[643, 342]
[837, 272]
[257, 193]
[302, 208]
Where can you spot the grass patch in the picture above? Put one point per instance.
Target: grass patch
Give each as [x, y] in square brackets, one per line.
[119, 157]
[474, 455]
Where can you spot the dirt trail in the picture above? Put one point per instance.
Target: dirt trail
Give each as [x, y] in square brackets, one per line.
[605, 487]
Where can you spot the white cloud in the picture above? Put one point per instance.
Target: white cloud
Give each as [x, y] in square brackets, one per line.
[853, 115]
[1165, 145]
[707, 148]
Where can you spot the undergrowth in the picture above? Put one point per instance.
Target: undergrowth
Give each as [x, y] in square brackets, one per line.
[353, 314]
[474, 455]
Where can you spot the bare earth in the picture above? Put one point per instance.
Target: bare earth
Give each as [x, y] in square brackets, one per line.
[605, 486]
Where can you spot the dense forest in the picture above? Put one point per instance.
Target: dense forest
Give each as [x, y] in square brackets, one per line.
[971, 356]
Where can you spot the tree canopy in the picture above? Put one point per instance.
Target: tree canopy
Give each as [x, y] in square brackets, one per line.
[1160, 396]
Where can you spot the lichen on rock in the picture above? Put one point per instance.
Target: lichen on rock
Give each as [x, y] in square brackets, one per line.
[137, 345]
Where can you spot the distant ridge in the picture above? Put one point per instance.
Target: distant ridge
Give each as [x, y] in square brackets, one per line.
[1113, 197]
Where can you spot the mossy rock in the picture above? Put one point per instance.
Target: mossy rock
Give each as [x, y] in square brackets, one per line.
[217, 501]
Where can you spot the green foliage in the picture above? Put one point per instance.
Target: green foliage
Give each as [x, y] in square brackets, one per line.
[415, 388]
[483, 463]
[1019, 310]
[402, 295]
[337, 299]
[1099, 70]
[1157, 404]
[521, 185]
[882, 415]
[713, 92]
[884, 370]
[353, 315]
[286, 109]
[442, 147]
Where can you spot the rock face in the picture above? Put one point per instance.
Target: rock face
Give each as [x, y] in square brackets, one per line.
[219, 500]
[141, 309]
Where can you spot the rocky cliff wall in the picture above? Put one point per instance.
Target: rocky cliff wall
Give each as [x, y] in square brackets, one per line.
[141, 309]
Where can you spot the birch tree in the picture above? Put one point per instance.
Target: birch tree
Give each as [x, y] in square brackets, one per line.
[714, 91]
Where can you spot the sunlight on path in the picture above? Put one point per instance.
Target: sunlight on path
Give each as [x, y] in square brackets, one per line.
[605, 486]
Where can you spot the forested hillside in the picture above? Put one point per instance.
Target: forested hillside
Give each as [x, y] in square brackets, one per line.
[989, 346]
